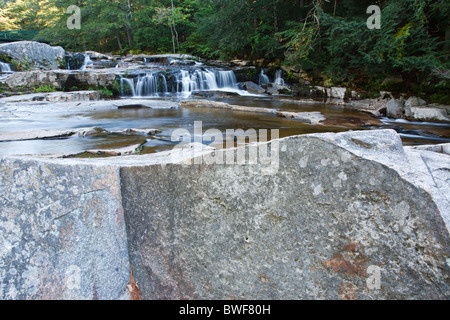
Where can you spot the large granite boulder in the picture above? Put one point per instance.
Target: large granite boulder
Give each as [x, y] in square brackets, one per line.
[254, 88]
[338, 93]
[336, 220]
[416, 109]
[394, 109]
[332, 216]
[62, 233]
[26, 55]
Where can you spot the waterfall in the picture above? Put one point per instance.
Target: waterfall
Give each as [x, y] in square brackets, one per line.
[186, 82]
[263, 78]
[151, 84]
[208, 80]
[164, 83]
[5, 67]
[203, 80]
[147, 85]
[278, 79]
[183, 81]
[226, 79]
[87, 62]
[130, 84]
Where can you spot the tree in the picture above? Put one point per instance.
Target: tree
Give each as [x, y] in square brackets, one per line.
[6, 21]
[170, 17]
[24, 14]
[339, 42]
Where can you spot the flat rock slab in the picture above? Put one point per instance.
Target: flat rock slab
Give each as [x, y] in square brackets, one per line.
[429, 113]
[440, 148]
[52, 134]
[352, 215]
[201, 103]
[125, 151]
[42, 134]
[55, 96]
[308, 117]
[26, 106]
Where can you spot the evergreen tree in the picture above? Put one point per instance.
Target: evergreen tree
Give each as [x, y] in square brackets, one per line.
[324, 37]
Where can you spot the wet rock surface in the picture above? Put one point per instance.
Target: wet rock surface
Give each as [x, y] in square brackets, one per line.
[254, 88]
[308, 117]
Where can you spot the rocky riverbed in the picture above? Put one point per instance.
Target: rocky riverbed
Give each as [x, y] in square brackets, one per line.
[117, 184]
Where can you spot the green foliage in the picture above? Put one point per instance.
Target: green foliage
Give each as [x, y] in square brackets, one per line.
[7, 22]
[116, 87]
[45, 88]
[104, 92]
[345, 49]
[330, 38]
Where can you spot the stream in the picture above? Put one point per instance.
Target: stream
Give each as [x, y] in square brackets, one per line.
[338, 119]
[184, 84]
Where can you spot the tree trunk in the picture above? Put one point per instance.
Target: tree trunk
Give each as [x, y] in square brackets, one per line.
[129, 37]
[275, 16]
[174, 28]
[128, 27]
[302, 14]
[173, 40]
[118, 41]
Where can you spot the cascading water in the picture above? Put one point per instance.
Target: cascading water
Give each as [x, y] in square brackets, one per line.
[278, 79]
[203, 80]
[207, 80]
[152, 84]
[263, 78]
[125, 84]
[87, 62]
[227, 79]
[184, 82]
[5, 67]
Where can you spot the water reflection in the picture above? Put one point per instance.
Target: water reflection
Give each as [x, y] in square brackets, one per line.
[338, 119]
